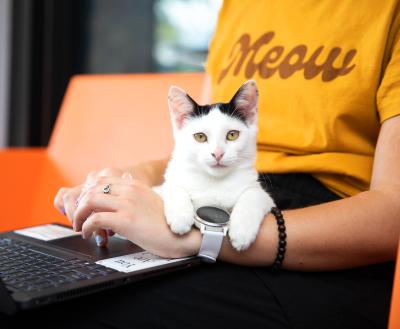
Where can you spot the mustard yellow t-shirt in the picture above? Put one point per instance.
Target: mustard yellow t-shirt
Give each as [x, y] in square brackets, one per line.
[328, 73]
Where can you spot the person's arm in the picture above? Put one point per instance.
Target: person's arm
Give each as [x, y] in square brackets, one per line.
[360, 230]
[151, 172]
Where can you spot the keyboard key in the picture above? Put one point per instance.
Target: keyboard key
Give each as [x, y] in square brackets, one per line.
[24, 268]
[89, 273]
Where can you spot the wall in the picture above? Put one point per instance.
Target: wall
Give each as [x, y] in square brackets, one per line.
[5, 23]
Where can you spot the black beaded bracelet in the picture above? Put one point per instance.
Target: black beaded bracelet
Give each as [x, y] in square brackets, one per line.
[282, 239]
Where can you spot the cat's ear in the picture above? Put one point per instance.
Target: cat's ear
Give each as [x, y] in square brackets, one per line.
[245, 101]
[181, 105]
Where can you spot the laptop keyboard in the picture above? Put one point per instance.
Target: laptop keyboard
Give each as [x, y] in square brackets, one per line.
[24, 268]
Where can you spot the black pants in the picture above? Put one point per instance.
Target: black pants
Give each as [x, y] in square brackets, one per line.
[229, 296]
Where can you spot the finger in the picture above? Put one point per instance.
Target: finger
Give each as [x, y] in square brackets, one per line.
[101, 237]
[123, 179]
[58, 201]
[115, 189]
[101, 221]
[93, 176]
[95, 202]
[69, 201]
[102, 182]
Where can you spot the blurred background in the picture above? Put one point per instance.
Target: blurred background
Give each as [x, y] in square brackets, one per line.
[44, 42]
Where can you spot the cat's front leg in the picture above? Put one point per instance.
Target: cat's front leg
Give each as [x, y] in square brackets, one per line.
[247, 215]
[178, 208]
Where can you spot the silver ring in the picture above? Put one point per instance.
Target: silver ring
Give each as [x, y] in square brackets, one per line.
[107, 189]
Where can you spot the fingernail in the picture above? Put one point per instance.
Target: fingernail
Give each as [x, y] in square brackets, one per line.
[99, 240]
[63, 211]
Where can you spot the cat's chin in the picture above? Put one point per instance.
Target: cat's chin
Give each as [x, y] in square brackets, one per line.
[218, 170]
[218, 165]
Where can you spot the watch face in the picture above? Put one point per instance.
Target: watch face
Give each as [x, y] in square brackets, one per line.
[213, 215]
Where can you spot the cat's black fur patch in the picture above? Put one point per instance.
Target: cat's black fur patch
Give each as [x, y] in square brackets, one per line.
[226, 108]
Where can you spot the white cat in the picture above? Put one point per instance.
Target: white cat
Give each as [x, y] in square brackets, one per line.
[212, 164]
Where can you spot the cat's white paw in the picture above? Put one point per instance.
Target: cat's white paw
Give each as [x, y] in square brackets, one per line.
[241, 238]
[243, 232]
[180, 218]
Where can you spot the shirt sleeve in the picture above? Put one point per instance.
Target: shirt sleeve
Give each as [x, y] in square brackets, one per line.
[388, 94]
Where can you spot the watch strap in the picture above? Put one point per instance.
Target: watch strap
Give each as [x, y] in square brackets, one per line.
[211, 245]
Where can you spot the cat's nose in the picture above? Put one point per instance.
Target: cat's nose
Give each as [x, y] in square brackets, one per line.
[218, 154]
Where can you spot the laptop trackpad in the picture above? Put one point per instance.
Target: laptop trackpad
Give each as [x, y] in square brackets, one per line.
[115, 247]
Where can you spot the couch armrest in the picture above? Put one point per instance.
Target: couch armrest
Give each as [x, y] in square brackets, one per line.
[29, 181]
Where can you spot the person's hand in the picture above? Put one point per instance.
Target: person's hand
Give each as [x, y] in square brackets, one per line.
[133, 210]
[67, 199]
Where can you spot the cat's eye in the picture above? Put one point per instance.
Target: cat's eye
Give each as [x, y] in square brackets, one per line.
[232, 135]
[200, 137]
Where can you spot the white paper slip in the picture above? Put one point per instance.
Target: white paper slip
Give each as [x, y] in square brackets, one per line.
[47, 232]
[137, 261]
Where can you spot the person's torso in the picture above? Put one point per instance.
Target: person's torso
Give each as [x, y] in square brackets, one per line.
[318, 65]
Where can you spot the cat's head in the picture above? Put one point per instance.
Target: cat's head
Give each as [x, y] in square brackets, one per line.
[216, 138]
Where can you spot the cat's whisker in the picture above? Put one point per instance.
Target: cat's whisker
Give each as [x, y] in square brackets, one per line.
[263, 177]
[239, 157]
[243, 156]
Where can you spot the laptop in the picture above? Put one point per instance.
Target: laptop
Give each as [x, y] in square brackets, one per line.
[50, 263]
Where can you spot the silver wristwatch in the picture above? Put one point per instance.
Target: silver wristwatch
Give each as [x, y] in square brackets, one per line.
[213, 224]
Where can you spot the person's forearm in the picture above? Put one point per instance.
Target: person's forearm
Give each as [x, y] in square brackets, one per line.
[360, 230]
[151, 172]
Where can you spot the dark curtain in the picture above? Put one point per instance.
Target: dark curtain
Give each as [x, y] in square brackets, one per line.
[55, 39]
[46, 46]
